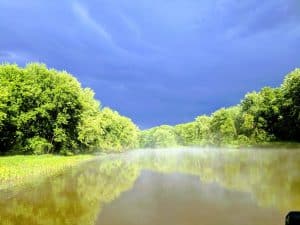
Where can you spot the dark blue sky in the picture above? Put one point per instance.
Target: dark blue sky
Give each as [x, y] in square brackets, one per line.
[158, 61]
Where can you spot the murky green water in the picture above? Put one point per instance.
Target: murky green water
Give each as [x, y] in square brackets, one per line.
[176, 187]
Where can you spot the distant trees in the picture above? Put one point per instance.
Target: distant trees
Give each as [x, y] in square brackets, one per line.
[187, 134]
[47, 111]
[223, 128]
[158, 137]
[272, 114]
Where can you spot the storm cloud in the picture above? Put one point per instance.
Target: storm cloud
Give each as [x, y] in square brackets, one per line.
[158, 61]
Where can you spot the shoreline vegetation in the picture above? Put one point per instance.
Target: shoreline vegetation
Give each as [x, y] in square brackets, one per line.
[19, 171]
[46, 113]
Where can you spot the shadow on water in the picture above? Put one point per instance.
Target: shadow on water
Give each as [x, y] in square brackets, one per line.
[189, 186]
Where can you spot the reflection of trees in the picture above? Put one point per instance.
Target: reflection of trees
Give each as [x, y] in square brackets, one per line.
[272, 177]
[73, 199]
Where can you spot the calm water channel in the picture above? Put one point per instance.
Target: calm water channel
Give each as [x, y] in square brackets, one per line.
[164, 187]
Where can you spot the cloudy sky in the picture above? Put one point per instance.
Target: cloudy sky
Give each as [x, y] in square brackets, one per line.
[157, 61]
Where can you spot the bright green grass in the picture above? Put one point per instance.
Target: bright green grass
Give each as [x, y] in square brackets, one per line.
[20, 170]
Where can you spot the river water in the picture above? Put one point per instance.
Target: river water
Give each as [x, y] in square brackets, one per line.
[164, 187]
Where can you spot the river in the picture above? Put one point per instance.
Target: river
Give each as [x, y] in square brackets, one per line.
[164, 187]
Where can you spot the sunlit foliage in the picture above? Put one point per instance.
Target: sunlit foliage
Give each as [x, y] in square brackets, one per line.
[47, 111]
[271, 114]
[290, 107]
[158, 137]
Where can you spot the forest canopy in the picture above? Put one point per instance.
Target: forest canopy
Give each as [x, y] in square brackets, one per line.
[48, 111]
[269, 115]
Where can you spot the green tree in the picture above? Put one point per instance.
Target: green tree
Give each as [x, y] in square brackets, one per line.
[118, 133]
[290, 108]
[158, 137]
[203, 129]
[89, 129]
[260, 114]
[47, 111]
[222, 126]
[187, 134]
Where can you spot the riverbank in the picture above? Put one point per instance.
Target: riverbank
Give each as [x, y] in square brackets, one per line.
[21, 170]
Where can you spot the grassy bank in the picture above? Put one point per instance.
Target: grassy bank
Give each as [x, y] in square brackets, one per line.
[20, 170]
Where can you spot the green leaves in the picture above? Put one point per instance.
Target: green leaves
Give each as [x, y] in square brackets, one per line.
[118, 132]
[268, 115]
[222, 126]
[38, 146]
[44, 109]
[290, 107]
[158, 137]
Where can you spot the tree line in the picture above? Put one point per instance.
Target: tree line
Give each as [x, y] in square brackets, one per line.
[269, 115]
[48, 111]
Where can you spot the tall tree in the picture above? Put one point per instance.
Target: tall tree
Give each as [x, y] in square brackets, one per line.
[290, 120]
[47, 111]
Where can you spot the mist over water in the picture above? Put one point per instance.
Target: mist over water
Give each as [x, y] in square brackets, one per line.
[165, 186]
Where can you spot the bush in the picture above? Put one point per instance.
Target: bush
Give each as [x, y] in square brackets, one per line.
[38, 146]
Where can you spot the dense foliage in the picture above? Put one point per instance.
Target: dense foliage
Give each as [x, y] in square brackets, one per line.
[47, 111]
[272, 114]
[157, 137]
[109, 131]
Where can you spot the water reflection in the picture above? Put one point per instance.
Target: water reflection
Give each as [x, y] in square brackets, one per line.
[183, 200]
[165, 187]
